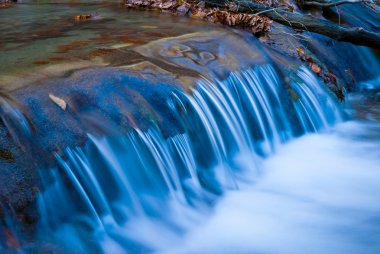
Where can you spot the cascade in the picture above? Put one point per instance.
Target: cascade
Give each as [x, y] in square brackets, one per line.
[134, 132]
[165, 182]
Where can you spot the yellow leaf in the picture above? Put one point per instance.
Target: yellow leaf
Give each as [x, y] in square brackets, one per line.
[61, 103]
[149, 27]
[300, 51]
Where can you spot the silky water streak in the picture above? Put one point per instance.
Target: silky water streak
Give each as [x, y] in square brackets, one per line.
[143, 191]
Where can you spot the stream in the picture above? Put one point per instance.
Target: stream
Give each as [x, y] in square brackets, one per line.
[140, 132]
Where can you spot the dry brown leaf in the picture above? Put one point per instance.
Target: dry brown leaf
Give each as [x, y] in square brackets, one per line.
[258, 25]
[315, 68]
[82, 17]
[61, 103]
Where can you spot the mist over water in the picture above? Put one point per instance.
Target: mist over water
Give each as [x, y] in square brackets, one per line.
[318, 194]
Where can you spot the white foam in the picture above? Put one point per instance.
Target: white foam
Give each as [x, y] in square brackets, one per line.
[318, 194]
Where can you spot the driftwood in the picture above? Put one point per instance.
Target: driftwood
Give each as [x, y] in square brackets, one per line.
[354, 35]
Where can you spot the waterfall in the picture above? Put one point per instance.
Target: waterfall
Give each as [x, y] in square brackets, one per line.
[123, 190]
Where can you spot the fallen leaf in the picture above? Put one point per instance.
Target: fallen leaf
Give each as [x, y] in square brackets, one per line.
[291, 8]
[82, 17]
[300, 51]
[149, 27]
[315, 68]
[4, 5]
[61, 103]
[258, 25]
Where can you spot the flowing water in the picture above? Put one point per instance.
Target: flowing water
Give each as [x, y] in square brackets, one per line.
[187, 145]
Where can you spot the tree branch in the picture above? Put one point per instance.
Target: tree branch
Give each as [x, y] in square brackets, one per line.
[354, 35]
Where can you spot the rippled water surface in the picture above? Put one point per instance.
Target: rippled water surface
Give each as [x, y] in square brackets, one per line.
[47, 37]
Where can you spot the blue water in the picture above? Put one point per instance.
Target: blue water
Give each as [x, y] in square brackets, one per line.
[222, 155]
[130, 188]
